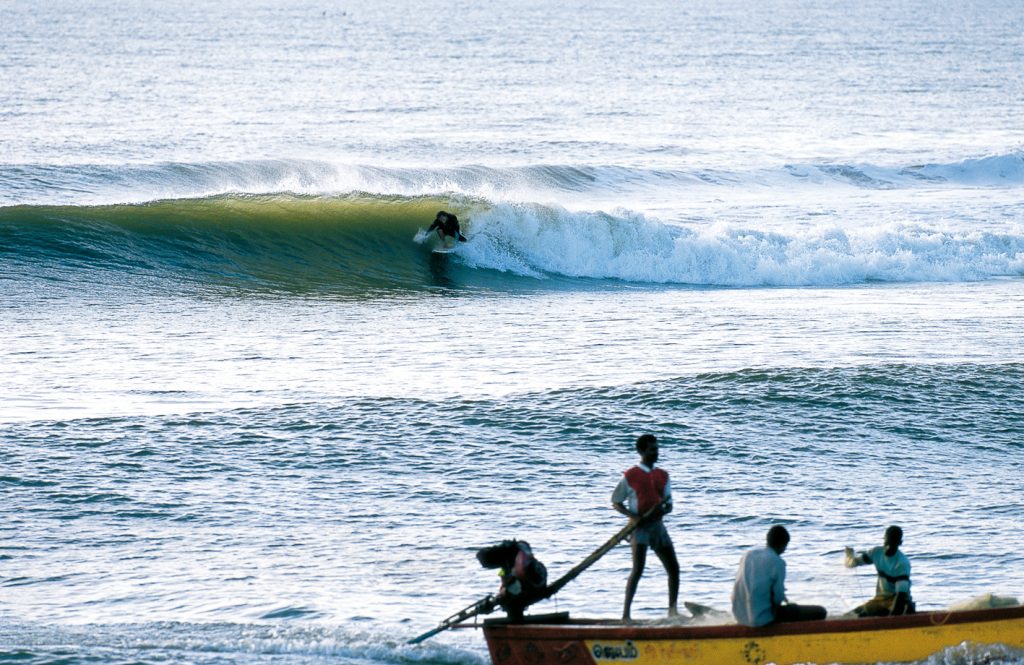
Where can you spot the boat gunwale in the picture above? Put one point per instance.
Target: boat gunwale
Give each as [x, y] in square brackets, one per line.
[610, 629]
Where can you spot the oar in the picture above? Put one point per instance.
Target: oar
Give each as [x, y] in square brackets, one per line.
[482, 606]
[557, 585]
[487, 605]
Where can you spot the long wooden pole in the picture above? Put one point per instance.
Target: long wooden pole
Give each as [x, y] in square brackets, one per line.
[557, 585]
[487, 605]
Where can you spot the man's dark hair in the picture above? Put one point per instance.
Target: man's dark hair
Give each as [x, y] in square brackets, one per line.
[643, 440]
[894, 533]
[777, 537]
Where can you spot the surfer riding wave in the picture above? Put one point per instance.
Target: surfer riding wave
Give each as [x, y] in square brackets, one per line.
[447, 226]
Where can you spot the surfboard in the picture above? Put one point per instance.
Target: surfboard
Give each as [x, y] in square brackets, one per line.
[445, 246]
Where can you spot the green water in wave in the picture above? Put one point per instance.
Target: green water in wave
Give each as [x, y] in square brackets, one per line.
[357, 243]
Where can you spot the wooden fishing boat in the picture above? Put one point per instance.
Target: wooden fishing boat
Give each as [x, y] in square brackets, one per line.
[557, 639]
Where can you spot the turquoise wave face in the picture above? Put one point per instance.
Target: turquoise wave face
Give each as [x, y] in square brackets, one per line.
[357, 243]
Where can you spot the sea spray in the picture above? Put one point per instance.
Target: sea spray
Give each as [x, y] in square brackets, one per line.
[538, 240]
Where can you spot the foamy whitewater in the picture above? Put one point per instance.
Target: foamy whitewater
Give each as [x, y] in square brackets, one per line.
[247, 414]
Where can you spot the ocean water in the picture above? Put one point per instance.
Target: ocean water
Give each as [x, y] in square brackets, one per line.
[247, 415]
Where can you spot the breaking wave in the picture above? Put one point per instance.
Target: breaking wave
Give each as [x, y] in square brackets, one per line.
[366, 242]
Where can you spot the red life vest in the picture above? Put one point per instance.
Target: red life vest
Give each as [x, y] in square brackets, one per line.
[649, 487]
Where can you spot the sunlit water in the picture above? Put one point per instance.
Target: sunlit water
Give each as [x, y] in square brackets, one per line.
[248, 417]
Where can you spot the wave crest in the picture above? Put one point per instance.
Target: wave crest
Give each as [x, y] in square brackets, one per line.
[102, 184]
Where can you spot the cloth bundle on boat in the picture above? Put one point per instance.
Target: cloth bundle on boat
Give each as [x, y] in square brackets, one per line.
[524, 579]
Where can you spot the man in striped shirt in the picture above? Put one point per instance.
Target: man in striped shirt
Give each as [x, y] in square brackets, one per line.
[892, 592]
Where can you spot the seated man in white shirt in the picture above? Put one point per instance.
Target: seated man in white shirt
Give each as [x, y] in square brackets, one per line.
[892, 592]
[759, 595]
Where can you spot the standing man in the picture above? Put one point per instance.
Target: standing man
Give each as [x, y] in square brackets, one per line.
[642, 488]
[892, 593]
[759, 595]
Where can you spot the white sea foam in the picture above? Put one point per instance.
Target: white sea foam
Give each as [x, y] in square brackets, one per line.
[538, 241]
[226, 642]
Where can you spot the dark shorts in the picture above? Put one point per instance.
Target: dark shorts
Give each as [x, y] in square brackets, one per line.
[653, 534]
[793, 612]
